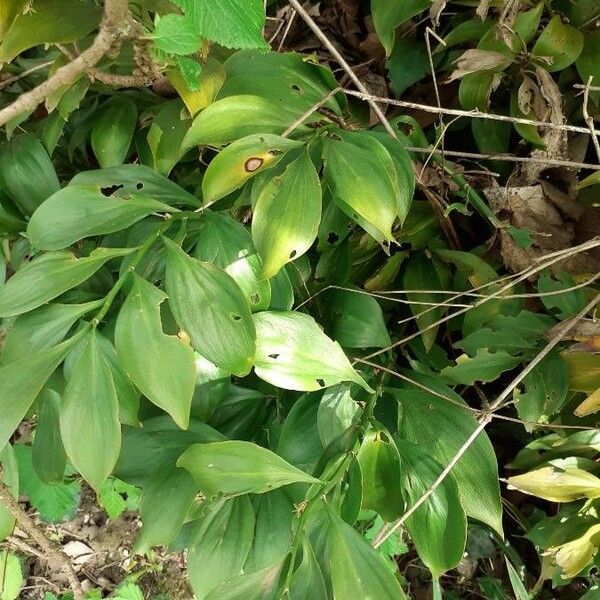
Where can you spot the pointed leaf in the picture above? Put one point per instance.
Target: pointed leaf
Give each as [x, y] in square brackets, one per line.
[10, 478]
[236, 467]
[560, 42]
[89, 416]
[262, 585]
[293, 353]
[211, 308]
[49, 276]
[287, 215]
[48, 454]
[161, 366]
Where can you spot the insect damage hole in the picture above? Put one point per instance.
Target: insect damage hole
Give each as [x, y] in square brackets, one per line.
[320, 382]
[253, 164]
[236, 317]
[274, 356]
[109, 190]
[139, 185]
[293, 254]
[255, 298]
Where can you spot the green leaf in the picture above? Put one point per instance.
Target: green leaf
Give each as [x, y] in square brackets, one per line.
[546, 389]
[389, 15]
[26, 172]
[357, 570]
[262, 585]
[380, 468]
[528, 132]
[588, 66]
[516, 582]
[164, 503]
[89, 416]
[443, 427]
[362, 178]
[112, 132]
[10, 478]
[287, 215]
[71, 20]
[220, 541]
[475, 90]
[54, 503]
[161, 366]
[49, 458]
[337, 411]
[211, 308]
[191, 71]
[12, 576]
[116, 496]
[235, 467]
[174, 34]
[241, 161]
[155, 447]
[49, 276]
[407, 64]
[560, 42]
[565, 305]
[41, 329]
[230, 23]
[130, 179]
[485, 366]
[307, 581]
[438, 527]
[18, 389]
[293, 353]
[234, 117]
[78, 211]
[128, 591]
[355, 320]
[227, 244]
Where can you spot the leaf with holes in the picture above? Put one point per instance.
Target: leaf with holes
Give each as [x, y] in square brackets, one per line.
[211, 308]
[293, 353]
[161, 366]
[287, 215]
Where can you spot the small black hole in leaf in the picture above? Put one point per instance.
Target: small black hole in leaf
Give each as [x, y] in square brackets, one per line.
[139, 185]
[321, 382]
[293, 253]
[255, 298]
[274, 356]
[385, 243]
[332, 237]
[110, 190]
[236, 317]
[296, 88]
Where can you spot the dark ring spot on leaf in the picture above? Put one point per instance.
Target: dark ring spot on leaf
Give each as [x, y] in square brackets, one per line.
[321, 382]
[139, 185]
[111, 189]
[253, 164]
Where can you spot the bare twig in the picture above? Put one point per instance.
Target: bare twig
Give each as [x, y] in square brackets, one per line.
[589, 119]
[114, 28]
[313, 109]
[51, 552]
[25, 73]
[343, 63]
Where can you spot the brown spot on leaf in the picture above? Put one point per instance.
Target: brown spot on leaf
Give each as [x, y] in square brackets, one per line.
[253, 164]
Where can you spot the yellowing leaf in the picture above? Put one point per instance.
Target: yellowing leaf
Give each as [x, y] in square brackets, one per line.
[577, 554]
[558, 484]
[584, 370]
[287, 215]
[590, 405]
[161, 366]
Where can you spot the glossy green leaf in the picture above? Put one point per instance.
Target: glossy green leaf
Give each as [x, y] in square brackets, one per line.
[241, 161]
[89, 416]
[262, 585]
[476, 88]
[164, 503]
[155, 447]
[78, 211]
[161, 366]
[234, 117]
[220, 541]
[235, 467]
[485, 366]
[49, 458]
[355, 320]
[442, 427]
[211, 308]
[227, 244]
[438, 527]
[12, 576]
[337, 411]
[293, 353]
[130, 179]
[70, 19]
[41, 329]
[287, 215]
[380, 468]
[176, 35]
[54, 503]
[566, 305]
[559, 42]
[307, 582]
[112, 132]
[10, 478]
[362, 178]
[18, 389]
[389, 15]
[26, 172]
[49, 276]
[357, 570]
